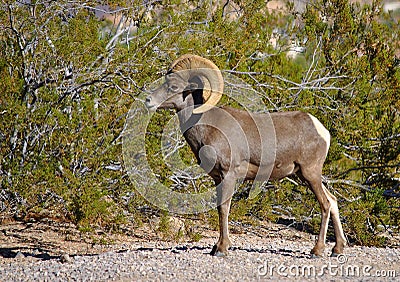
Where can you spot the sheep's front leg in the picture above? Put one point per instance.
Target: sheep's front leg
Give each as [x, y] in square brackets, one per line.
[224, 195]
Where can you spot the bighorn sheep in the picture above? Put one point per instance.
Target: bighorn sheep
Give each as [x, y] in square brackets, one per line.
[231, 143]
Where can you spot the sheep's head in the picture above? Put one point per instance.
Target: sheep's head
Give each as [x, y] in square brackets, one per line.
[190, 81]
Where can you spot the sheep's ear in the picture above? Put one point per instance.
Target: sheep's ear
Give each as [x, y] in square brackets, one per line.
[193, 86]
[191, 89]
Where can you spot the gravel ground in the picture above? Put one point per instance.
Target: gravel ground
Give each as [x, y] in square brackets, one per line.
[271, 252]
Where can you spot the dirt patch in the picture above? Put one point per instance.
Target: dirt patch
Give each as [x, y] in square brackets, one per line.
[54, 251]
[55, 238]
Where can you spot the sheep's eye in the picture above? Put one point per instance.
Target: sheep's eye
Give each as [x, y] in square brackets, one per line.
[173, 88]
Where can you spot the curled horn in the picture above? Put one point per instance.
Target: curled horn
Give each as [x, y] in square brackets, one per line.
[208, 72]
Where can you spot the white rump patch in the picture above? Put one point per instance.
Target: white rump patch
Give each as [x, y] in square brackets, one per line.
[322, 131]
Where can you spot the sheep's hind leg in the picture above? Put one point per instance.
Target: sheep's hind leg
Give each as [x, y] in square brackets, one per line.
[314, 179]
[337, 225]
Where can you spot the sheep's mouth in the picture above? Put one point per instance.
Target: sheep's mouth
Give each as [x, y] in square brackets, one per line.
[150, 107]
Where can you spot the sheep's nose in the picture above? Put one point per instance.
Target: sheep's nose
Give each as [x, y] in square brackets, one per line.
[148, 103]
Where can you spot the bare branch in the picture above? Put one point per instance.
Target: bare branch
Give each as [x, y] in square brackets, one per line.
[349, 183]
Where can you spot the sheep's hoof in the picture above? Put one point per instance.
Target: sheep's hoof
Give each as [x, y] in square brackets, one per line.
[334, 255]
[220, 254]
[215, 252]
[317, 252]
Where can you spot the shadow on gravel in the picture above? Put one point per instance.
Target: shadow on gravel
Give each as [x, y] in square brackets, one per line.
[176, 249]
[282, 252]
[15, 252]
[179, 249]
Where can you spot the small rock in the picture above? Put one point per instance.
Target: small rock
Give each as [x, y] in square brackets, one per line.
[65, 258]
[176, 225]
[36, 252]
[19, 255]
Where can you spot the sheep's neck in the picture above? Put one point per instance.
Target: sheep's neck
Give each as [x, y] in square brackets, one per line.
[190, 128]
